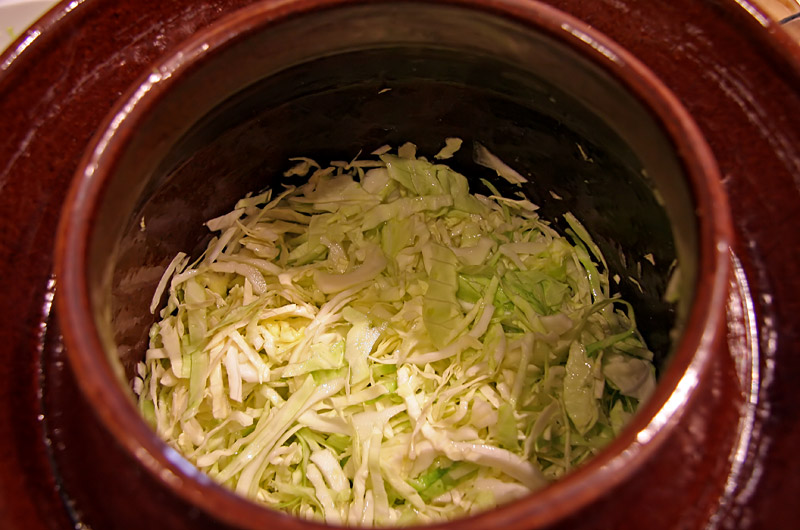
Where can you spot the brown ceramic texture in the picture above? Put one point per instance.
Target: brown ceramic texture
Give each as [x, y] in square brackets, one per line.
[743, 94]
[104, 193]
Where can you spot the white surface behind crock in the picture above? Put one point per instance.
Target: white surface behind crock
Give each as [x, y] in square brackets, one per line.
[17, 15]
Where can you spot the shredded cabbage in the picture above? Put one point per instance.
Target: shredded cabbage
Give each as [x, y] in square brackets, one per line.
[379, 346]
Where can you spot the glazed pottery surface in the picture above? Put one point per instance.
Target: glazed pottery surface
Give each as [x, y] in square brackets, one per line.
[224, 114]
[59, 86]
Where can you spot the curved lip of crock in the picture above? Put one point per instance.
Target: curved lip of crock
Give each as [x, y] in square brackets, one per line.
[648, 429]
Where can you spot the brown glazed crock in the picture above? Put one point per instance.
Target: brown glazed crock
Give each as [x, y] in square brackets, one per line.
[164, 115]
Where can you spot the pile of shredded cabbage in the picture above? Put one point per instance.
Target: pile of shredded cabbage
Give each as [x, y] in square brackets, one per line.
[378, 346]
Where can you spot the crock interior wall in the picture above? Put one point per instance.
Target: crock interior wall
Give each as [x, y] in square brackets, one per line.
[343, 104]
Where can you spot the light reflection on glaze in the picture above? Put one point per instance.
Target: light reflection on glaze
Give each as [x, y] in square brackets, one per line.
[50, 292]
[164, 72]
[118, 119]
[41, 338]
[588, 39]
[675, 402]
[748, 457]
[755, 13]
[36, 33]
[743, 347]
[47, 305]
[32, 36]
[147, 459]
[186, 467]
[170, 478]
[760, 444]
[691, 378]
[69, 7]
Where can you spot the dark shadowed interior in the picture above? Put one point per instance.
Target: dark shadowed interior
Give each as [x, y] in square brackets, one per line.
[586, 145]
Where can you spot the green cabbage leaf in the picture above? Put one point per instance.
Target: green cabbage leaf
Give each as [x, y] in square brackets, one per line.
[380, 346]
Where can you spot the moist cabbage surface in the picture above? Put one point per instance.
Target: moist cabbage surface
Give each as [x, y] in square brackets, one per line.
[379, 346]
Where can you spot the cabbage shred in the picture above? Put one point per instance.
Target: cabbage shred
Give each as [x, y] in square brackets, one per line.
[379, 346]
